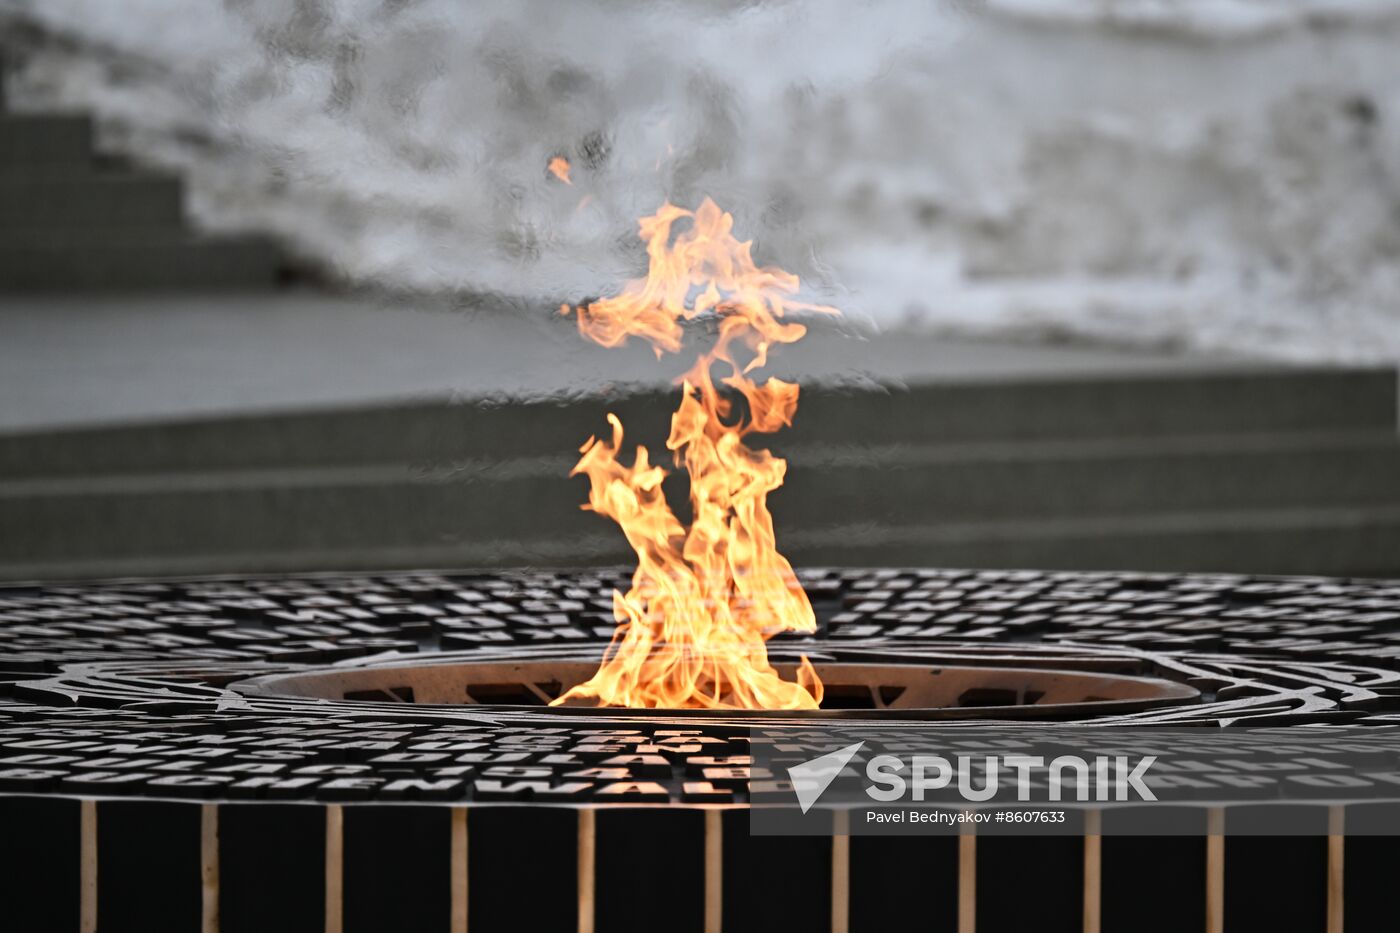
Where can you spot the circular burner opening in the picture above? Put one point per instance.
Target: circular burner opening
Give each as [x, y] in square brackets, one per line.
[900, 690]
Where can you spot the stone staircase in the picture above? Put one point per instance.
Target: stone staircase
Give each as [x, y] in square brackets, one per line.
[1245, 470]
[1272, 470]
[74, 220]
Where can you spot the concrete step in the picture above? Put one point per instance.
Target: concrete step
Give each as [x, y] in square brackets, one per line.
[903, 484]
[29, 140]
[871, 500]
[1348, 542]
[46, 201]
[1362, 542]
[138, 260]
[1255, 403]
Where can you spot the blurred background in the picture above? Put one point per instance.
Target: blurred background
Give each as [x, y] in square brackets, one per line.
[279, 279]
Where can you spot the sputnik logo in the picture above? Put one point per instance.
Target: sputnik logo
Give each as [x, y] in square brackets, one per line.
[811, 778]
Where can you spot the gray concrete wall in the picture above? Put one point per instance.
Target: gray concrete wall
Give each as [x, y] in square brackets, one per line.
[1262, 471]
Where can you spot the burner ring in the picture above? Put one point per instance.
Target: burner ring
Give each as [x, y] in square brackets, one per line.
[885, 690]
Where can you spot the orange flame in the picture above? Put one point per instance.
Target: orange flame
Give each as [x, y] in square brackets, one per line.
[704, 600]
[559, 168]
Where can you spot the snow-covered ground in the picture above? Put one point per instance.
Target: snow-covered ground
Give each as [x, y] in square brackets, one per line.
[1217, 174]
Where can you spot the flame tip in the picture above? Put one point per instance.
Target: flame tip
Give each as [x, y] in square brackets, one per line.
[559, 167]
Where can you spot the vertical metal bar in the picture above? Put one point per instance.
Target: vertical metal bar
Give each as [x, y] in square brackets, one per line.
[1093, 871]
[209, 867]
[587, 838]
[87, 866]
[1336, 865]
[459, 870]
[1215, 870]
[335, 874]
[840, 872]
[714, 871]
[967, 880]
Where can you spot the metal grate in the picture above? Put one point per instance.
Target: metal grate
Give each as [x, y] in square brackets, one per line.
[365, 712]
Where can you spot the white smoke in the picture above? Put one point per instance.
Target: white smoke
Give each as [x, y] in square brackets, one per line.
[1220, 174]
